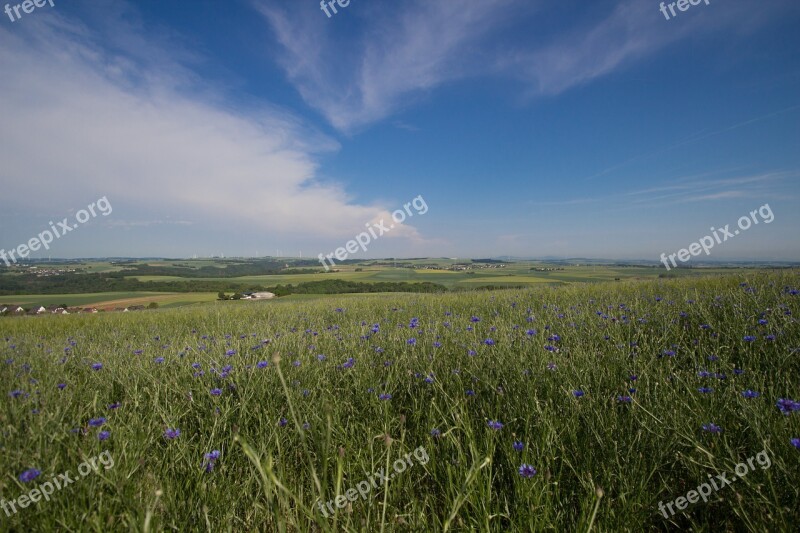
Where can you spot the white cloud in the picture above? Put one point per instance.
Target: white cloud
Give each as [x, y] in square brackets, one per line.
[81, 123]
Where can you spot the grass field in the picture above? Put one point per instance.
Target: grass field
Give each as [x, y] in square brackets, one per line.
[513, 274]
[106, 300]
[568, 408]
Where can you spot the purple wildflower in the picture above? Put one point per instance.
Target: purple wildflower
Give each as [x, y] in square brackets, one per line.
[495, 425]
[29, 475]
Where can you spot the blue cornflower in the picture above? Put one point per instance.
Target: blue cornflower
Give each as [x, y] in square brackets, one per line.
[527, 471]
[578, 393]
[495, 424]
[412, 341]
[97, 422]
[296, 363]
[749, 338]
[230, 353]
[437, 344]
[210, 459]
[97, 366]
[196, 366]
[474, 319]
[787, 406]
[489, 342]
[262, 364]
[705, 390]
[795, 443]
[712, 428]
[215, 392]
[385, 396]
[738, 371]
[429, 379]
[29, 475]
[518, 446]
[172, 433]
[103, 435]
[62, 386]
[114, 405]
[435, 432]
[349, 363]
[16, 393]
[159, 359]
[306, 425]
[624, 399]
[470, 392]
[750, 394]
[282, 422]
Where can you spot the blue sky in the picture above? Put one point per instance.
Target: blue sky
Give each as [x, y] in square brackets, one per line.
[529, 128]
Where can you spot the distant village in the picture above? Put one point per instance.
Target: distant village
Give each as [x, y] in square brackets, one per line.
[45, 271]
[18, 310]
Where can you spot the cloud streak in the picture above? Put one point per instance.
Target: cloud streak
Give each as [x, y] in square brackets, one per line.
[422, 46]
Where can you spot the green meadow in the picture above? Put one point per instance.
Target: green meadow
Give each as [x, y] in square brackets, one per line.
[562, 408]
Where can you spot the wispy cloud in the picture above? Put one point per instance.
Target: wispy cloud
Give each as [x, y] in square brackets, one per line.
[422, 45]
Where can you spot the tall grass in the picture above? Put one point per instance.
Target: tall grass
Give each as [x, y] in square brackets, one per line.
[601, 463]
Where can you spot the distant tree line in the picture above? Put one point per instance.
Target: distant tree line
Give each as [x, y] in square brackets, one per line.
[117, 282]
[338, 286]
